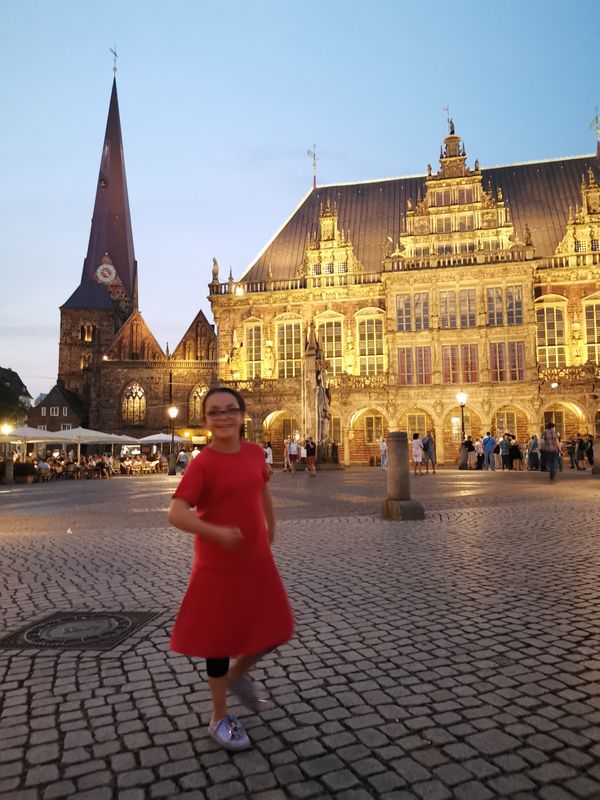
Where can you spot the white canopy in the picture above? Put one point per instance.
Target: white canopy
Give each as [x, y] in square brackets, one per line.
[160, 438]
[24, 433]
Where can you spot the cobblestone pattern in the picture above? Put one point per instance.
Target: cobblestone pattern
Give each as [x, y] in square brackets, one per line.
[457, 657]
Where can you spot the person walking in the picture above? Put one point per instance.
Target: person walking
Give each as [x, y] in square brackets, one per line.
[383, 453]
[286, 456]
[428, 443]
[580, 452]
[269, 457]
[293, 454]
[235, 605]
[533, 459]
[417, 453]
[488, 443]
[550, 449]
[311, 454]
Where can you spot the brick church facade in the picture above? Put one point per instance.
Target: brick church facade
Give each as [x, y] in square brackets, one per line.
[384, 297]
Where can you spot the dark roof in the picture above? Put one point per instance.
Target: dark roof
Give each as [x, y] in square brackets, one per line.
[59, 395]
[538, 194]
[11, 379]
[111, 222]
[90, 296]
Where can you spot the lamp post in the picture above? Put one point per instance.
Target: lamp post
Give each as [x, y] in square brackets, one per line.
[461, 399]
[173, 411]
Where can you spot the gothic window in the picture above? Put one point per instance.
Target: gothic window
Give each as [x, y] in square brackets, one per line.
[403, 312]
[495, 313]
[470, 363]
[289, 349]
[406, 375]
[456, 424]
[85, 360]
[336, 429]
[592, 332]
[450, 363]
[597, 423]
[558, 418]
[447, 309]
[467, 308]
[421, 306]
[551, 340]
[330, 339]
[133, 404]
[373, 429]
[497, 361]
[415, 423]
[253, 351]
[516, 361]
[87, 332]
[514, 305]
[370, 346]
[195, 404]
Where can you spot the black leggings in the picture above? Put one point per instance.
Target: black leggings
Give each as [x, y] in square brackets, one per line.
[217, 667]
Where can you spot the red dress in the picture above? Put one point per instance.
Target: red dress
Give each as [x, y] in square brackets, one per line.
[235, 603]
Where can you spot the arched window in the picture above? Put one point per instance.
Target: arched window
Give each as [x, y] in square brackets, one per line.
[196, 399]
[592, 331]
[133, 404]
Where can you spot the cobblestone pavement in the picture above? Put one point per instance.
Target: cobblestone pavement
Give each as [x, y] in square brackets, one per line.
[455, 657]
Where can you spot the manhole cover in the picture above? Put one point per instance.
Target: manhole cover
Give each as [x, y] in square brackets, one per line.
[83, 630]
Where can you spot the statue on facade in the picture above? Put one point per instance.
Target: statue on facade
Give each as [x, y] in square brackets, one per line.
[323, 400]
[215, 270]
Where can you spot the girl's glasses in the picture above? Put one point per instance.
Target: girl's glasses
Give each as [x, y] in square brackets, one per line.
[228, 413]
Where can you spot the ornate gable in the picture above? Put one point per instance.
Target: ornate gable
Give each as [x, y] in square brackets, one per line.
[583, 227]
[134, 342]
[456, 215]
[332, 253]
[199, 342]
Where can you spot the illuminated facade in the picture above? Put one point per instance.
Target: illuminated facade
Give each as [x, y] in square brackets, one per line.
[396, 294]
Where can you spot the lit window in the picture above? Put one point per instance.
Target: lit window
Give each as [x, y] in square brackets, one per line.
[592, 332]
[551, 349]
[373, 429]
[253, 351]
[516, 361]
[506, 422]
[514, 305]
[467, 308]
[330, 340]
[423, 365]
[580, 247]
[133, 404]
[421, 306]
[494, 306]
[450, 363]
[403, 312]
[470, 363]
[447, 309]
[415, 423]
[406, 375]
[289, 349]
[497, 362]
[558, 418]
[370, 346]
[195, 407]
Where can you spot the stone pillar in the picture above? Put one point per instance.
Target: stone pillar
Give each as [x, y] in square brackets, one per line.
[346, 439]
[596, 467]
[398, 504]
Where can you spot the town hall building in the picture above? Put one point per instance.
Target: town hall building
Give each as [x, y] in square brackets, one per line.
[372, 308]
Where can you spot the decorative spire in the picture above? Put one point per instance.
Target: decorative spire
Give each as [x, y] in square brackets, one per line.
[313, 154]
[111, 233]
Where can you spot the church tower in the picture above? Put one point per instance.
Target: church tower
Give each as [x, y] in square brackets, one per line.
[108, 291]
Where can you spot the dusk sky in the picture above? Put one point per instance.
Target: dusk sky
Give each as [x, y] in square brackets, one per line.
[219, 103]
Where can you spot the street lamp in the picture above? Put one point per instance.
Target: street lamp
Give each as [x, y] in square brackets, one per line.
[173, 411]
[8, 460]
[461, 399]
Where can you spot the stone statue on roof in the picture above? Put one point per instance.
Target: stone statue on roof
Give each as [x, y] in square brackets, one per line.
[215, 270]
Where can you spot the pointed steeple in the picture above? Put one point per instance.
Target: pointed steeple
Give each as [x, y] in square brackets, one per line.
[111, 234]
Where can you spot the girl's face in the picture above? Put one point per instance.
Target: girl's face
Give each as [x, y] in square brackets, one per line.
[223, 417]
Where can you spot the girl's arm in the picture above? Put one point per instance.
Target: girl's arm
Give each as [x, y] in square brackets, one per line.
[269, 515]
[181, 515]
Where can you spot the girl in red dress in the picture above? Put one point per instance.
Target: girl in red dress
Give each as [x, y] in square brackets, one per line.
[235, 605]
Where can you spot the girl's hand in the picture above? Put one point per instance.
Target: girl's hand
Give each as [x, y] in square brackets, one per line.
[229, 538]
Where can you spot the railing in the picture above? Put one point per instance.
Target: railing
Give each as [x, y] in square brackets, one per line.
[456, 260]
[241, 288]
[573, 260]
[569, 375]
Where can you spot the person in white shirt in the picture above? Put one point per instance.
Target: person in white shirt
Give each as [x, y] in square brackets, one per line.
[383, 453]
[417, 452]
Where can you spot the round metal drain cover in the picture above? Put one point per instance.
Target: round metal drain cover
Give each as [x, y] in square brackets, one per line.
[80, 629]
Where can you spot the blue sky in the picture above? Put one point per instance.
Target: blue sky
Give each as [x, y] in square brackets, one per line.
[219, 103]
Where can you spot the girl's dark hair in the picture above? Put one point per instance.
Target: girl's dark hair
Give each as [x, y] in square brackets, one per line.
[415, 435]
[233, 393]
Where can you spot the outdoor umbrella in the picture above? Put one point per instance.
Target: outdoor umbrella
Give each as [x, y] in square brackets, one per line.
[160, 438]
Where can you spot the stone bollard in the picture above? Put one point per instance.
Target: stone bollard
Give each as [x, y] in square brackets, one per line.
[398, 504]
[596, 465]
